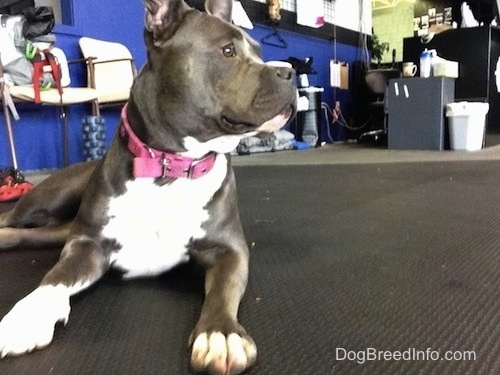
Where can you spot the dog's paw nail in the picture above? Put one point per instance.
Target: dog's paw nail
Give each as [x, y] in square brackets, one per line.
[216, 357]
[65, 320]
[199, 352]
[241, 351]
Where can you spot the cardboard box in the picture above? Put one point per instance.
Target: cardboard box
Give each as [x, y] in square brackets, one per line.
[445, 68]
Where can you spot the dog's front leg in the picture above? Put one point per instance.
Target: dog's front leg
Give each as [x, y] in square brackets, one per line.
[220, 345]
[31, 322]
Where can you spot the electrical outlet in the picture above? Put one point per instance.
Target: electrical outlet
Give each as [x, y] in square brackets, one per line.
[337, 106]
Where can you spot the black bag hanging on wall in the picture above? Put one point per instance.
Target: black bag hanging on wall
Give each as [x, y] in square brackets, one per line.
[39, 21]
[15, 6]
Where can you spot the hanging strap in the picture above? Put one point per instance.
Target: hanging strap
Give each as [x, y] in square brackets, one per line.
[56, 69]
[39, 62]
[9, 102]
[38, 65]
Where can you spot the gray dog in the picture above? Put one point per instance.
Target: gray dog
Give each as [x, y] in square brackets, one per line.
[165, 191]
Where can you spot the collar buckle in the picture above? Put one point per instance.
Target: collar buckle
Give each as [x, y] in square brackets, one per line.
[193, 170]
[165, 166]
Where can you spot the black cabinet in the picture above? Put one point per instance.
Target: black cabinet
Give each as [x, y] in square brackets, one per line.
[477, 51]
[416, 113]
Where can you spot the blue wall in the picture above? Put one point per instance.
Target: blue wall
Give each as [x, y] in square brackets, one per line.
[38, 134]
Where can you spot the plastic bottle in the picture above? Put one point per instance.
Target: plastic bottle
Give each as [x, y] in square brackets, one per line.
[425, 63]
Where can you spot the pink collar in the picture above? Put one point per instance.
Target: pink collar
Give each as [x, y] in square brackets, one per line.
[149, 162]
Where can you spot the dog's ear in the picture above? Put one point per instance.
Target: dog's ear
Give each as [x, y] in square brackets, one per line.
[220, 8]
[162, 15]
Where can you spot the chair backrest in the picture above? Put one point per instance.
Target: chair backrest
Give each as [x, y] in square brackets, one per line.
[377, 79]
[111, 68]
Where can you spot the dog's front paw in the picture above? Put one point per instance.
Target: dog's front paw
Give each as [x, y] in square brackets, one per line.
[30, 323]
[220, 354]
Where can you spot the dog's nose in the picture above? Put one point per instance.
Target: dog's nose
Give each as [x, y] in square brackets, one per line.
[285, 73]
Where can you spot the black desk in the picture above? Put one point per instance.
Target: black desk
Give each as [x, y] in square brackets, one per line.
[477, 51]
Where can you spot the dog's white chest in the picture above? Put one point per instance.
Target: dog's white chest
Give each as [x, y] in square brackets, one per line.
[153, 224]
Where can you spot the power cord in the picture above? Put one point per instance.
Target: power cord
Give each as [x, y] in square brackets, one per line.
[338, 117]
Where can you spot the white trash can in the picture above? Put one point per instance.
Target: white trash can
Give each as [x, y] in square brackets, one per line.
[466, 122]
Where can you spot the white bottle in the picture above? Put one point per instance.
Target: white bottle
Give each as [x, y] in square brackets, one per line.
[425, 63]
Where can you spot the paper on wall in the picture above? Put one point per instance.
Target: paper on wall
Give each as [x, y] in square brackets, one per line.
[310, 13]
[339, 74]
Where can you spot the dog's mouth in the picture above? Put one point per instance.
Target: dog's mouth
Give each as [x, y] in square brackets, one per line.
[236, 126]
[278, 121]
[270, 126]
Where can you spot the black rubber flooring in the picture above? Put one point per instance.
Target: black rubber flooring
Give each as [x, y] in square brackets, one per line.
[347, 261]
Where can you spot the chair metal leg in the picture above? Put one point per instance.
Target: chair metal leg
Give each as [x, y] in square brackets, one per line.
[4, 95]
[8, 124]
[65, 128]
[95, 108]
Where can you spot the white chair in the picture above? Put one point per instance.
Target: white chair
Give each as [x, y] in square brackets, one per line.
[110, 70]
[70, 95]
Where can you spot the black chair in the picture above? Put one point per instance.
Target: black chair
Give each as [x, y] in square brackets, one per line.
[376, 81]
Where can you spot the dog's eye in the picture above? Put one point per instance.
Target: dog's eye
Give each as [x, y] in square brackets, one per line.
[229, 50]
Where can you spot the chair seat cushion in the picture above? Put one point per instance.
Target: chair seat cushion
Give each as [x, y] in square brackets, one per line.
[110, 96]
[71, 95]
